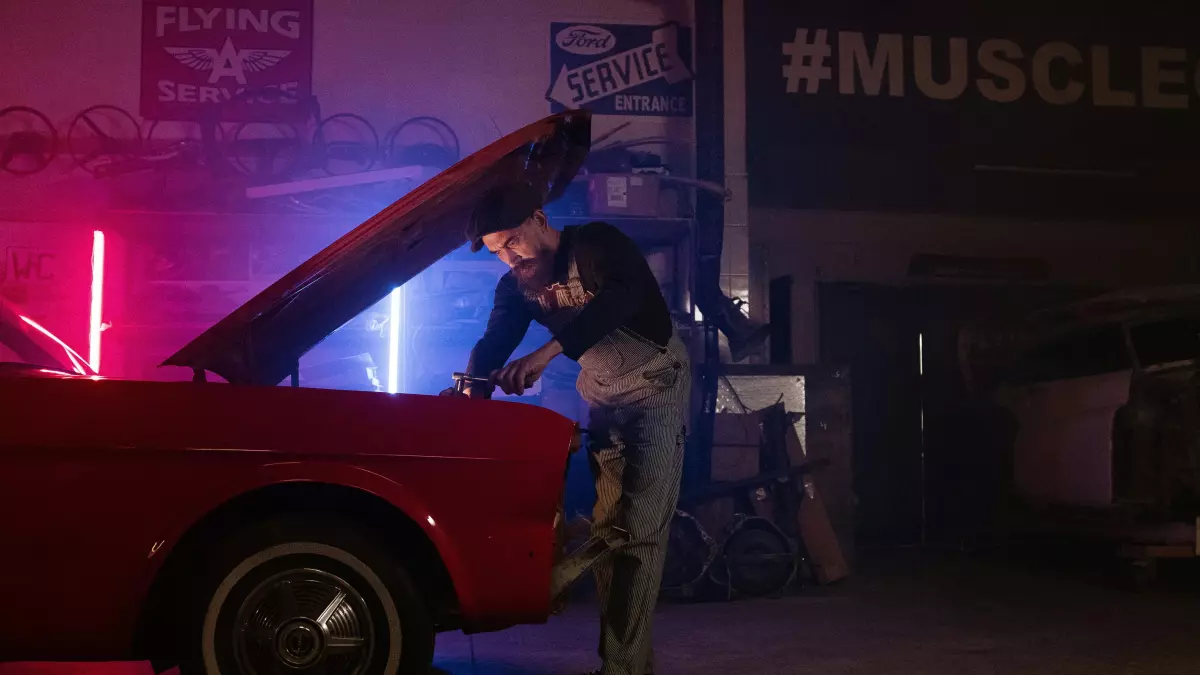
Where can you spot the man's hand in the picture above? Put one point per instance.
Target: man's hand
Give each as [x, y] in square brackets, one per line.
[522, 373]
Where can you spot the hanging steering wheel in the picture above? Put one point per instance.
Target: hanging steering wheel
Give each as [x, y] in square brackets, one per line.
[163, 135]
[265, 144]
[28, 141]
[103, 134]
[440, 153]
[337, 156]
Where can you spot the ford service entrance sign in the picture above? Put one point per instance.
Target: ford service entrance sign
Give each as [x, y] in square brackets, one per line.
[621, 69]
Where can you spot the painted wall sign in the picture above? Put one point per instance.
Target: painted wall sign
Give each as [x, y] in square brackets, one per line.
[864, 60]
[27, 265]
[197, 56]
[621, 69]
[866, 105]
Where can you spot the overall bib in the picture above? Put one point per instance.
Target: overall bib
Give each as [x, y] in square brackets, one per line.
[638, 396]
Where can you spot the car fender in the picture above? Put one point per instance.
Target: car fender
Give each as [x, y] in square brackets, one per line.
[337, 473]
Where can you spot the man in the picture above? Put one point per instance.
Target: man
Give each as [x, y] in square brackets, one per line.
[592, 288]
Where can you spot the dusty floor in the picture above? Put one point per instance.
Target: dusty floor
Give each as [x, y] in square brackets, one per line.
[902, 614]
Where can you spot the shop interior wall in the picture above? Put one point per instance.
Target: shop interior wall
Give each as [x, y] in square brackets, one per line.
[482, 67]
[846, 246]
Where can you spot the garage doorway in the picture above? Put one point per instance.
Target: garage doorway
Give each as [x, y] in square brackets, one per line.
[867, 328]
[930, 462]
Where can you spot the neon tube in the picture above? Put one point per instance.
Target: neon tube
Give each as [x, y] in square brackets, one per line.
[97, 301]
[393, 382]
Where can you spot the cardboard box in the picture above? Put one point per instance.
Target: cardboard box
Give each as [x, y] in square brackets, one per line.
[819, 537]
[637, 195]
[732, 463]
[735, 452]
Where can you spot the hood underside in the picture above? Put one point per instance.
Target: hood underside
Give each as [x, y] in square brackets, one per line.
[262, 341]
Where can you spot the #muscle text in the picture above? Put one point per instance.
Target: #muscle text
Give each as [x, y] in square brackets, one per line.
[1000, 70]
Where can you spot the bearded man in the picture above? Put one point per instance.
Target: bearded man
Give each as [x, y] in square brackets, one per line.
[592, 288]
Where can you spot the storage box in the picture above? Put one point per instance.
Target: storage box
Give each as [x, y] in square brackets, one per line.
[618, 194]
[735, 450]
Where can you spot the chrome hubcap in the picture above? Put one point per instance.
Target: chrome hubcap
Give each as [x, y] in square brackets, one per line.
[303, 621]
[299, 643]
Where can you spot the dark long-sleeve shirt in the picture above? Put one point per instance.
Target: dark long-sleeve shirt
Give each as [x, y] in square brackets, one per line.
[624, 292]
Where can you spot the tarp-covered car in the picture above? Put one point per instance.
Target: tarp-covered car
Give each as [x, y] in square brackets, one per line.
[1106, 397]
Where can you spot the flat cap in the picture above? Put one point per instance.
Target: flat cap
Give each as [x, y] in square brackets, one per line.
[501, 208]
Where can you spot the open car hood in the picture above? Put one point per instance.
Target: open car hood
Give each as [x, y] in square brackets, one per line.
[262, 341]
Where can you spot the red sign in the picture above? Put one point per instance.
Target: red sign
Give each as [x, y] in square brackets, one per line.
[243, 59]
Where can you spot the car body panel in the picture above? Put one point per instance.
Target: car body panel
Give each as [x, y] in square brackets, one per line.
[1063, 449]
[989, 350]
[103, 478]
[1104, 394]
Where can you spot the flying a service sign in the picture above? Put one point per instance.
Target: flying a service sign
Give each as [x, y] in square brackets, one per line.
[202, 54]
[621, 69]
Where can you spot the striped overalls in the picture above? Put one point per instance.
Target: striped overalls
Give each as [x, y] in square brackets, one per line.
[638, 395]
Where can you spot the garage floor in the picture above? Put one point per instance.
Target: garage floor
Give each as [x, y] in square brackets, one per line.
[902, 614]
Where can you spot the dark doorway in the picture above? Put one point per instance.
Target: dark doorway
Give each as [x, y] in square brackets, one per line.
[967, 438]
[780, 300]
[868, 328]
[930, 460]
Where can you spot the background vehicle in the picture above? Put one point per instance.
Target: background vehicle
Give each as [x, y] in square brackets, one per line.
[1106, 398]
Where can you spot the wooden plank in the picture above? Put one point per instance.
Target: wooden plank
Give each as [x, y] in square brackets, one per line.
[819, 537]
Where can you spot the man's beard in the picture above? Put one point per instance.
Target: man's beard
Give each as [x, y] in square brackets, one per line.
[533, 274]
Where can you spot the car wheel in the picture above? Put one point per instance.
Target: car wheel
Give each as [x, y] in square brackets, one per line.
[297, 596]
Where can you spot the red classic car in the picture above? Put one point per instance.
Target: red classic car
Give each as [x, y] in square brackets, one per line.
[246, 527]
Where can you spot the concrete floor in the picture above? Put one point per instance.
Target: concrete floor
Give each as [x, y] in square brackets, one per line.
[902, 614]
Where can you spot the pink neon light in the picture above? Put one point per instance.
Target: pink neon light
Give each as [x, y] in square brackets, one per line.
[95, 319]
